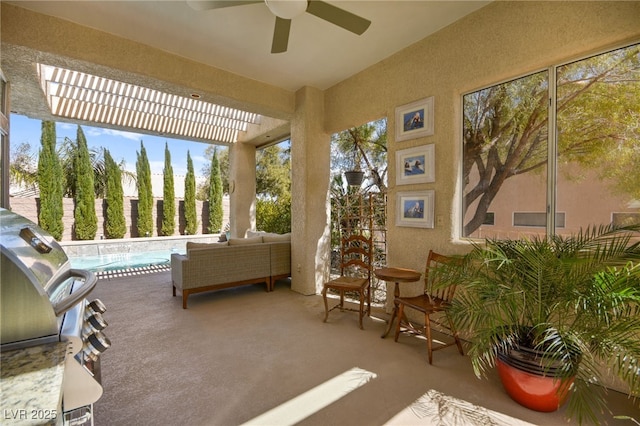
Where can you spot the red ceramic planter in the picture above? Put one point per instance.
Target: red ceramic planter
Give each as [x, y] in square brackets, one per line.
[539, 393]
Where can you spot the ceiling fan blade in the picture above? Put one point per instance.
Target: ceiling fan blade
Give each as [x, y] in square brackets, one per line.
[339, 17]
[281, 35]
[218, 4]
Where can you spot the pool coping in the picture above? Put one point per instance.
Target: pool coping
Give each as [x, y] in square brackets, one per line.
[133, 245]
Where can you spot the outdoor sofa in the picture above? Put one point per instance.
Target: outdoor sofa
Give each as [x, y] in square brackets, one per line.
[262, 258]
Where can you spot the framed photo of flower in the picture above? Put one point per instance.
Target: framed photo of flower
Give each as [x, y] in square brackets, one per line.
[415, 208]
[414, 120]
[415, 165]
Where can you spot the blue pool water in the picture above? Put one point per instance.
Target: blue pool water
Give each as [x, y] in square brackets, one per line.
[120, 261]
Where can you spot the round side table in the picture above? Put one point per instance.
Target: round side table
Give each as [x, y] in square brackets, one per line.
[397, 276]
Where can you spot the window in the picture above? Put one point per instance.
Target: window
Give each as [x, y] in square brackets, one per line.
[489, 219]
[538, 219]
[517, 158]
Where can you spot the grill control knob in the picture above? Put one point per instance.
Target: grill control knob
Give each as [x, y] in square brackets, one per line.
[94, 322]
[97, 306]
[95, 344]
[97, 321]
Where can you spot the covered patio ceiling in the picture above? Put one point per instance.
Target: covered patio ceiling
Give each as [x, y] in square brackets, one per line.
[235, 39]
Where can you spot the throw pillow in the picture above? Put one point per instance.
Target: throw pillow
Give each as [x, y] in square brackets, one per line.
[276, 238]
[191, 245]
[253, 234]
[241, 241]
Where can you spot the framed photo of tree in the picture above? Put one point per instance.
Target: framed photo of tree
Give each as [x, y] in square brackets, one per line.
[414, 120]
[415, 208]
[415, 165]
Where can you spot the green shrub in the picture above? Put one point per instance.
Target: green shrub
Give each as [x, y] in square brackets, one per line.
[215, 195]
[145, 194]
[50, 183]
[115, 224]
[190, 215]
[274, 215]
[168, 196]
[84, 211]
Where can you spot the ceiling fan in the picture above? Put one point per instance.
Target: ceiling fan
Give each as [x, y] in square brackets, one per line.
[285, 10]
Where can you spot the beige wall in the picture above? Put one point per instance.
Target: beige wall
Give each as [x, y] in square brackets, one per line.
[500, 41]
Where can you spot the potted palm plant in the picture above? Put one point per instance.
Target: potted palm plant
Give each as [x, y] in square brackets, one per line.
[556, 312]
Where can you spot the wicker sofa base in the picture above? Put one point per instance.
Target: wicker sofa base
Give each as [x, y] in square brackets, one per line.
[187, 292]
[208, 267]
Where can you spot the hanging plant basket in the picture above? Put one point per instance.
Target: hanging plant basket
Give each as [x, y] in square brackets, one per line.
[354, 177]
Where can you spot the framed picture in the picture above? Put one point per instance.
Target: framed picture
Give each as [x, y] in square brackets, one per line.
[415, 209]
[414, 120]
[415, 165]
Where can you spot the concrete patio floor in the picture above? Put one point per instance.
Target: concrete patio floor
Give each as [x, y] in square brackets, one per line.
[238, 353]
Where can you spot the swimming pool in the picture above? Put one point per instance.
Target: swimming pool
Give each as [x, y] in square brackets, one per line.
[120, 261]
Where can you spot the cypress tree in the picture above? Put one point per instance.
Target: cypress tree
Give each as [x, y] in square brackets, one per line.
[190, 216]
[50, 182]
[115, 224]
[215, 195]
[168, 195]
[84, 211]
[145, 194]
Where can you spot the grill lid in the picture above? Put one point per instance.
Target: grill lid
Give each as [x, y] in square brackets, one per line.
[37, 282]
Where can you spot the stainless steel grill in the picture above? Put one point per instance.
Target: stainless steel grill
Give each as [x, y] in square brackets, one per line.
[43, 300]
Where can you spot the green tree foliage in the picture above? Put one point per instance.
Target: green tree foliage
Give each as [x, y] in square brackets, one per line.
[505, 128]
[223, 163]
[273, 185]
[273, 188]
[273, 172]
[363, 148]
[23, 169]
[599, 118]
[215, 195]
[190, 214]
[115, 224]
[168, 195]
[50, 182]
[84, 212]
[68, 151]
[274, 215]
[145, 193]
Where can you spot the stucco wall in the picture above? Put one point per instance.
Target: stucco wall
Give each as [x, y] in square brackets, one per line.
[500, 41]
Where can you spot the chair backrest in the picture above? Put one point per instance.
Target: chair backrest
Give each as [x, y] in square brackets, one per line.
[435, 260]
[356, 255]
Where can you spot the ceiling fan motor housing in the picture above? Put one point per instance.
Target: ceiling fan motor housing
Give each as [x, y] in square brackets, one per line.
[287, 9]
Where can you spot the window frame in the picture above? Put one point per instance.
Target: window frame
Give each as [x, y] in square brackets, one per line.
[552, 141]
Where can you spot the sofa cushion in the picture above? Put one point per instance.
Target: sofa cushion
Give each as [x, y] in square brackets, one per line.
[252, 234]
[191, 245]
[240, 241]
[276, 238]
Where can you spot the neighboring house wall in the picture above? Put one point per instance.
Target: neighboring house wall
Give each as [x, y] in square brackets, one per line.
[28, 207]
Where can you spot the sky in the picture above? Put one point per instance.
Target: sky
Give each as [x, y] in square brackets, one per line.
[121, 145]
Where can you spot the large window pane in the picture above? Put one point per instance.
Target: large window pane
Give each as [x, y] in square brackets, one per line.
[598, 119]
[597, 152]
[505, 158]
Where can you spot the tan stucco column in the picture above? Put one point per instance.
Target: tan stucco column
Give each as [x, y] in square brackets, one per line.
[242, 188]
[310, 153]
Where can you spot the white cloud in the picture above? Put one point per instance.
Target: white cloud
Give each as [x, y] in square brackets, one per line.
[156, 166]
[67, 126]
[94, 131]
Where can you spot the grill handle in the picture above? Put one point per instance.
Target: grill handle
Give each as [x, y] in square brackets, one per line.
[71, 300]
